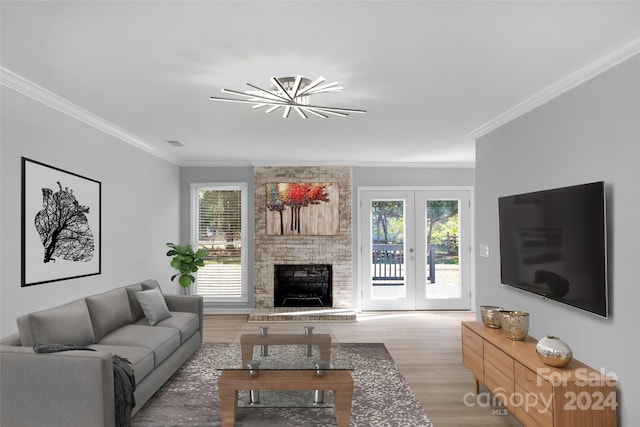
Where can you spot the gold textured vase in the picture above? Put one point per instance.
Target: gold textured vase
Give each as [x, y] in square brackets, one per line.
[515, 324]
[491, 316]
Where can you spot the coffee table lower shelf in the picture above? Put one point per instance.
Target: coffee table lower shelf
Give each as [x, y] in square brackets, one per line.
[339, 381]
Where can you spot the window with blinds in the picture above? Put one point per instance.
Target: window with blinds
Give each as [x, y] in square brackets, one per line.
[219, 226]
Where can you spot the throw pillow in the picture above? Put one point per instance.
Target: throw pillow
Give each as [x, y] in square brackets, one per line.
[153, 304]
[150, 284]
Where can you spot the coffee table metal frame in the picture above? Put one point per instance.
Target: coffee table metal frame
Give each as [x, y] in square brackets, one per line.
[231, 381]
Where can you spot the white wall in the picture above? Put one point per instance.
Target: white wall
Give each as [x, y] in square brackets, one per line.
[412, 177]
[140, 204]
[588, 134]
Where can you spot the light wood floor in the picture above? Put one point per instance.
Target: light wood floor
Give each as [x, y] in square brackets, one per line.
[426, 347]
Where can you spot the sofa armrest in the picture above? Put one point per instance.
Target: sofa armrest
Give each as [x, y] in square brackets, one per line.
[13, 339]
[189, 304]
[71, 388]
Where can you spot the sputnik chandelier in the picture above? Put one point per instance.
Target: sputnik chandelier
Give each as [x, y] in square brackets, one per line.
[290, 93]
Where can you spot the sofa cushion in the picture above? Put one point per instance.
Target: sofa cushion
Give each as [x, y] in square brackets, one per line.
[67, 324]
[153, 305]
[162, 341]
[141, 358]
[186, 323]
[136, 310]
[109, 311]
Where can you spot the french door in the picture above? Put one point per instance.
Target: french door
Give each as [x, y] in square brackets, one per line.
[415, 249]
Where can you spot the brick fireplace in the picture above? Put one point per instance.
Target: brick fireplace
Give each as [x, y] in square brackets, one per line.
[333, 250]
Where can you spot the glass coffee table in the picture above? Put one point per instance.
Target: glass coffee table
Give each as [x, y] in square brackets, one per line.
[276, 358]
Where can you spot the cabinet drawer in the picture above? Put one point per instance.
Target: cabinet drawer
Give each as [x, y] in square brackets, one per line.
[526, 420]
[472, 340]
[498, 384]
[499, 359]
[532, 383]
[474, 362]
[533, 406]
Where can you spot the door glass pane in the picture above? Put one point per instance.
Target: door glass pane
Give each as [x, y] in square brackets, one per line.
[388, 269]
[442, 225]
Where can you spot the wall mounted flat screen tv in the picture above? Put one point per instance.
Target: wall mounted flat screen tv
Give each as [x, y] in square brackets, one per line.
[553, 244]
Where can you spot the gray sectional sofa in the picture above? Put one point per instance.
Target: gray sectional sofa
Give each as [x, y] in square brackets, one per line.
[76, 388]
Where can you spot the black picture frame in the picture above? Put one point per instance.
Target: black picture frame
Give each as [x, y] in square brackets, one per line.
[61, 224]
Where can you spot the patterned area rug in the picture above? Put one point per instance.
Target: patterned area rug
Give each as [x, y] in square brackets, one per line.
[381, 397]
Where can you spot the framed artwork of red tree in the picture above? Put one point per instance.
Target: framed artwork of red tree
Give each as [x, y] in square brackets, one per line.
[303, 209]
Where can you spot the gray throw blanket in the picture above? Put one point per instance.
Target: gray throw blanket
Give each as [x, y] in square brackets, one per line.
[124, 382]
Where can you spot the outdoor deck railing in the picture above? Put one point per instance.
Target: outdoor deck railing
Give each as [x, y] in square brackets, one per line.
[387, 261]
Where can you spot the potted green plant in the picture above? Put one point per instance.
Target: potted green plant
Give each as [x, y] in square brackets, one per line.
[186, 261]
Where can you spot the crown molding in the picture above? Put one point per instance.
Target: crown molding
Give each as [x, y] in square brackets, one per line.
[27, 88]
[430, 165]
[304, 163]
[619, 53]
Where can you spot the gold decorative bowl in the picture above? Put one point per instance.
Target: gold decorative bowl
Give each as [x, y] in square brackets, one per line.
[491, 316]
[515, 324]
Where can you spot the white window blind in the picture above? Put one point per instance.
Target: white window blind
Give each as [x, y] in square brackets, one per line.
[219, 214]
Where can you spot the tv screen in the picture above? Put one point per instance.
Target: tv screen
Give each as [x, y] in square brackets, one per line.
[553, 243]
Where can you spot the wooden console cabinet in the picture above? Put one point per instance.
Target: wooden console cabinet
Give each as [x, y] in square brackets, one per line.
[537, 394]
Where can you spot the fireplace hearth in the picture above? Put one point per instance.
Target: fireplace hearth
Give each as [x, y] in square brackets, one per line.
[303, 285]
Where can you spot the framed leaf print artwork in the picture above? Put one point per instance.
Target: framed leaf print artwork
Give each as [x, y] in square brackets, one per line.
[60, 224]
[303, 209]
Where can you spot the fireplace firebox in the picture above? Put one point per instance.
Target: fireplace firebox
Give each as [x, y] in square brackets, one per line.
[302, 285]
